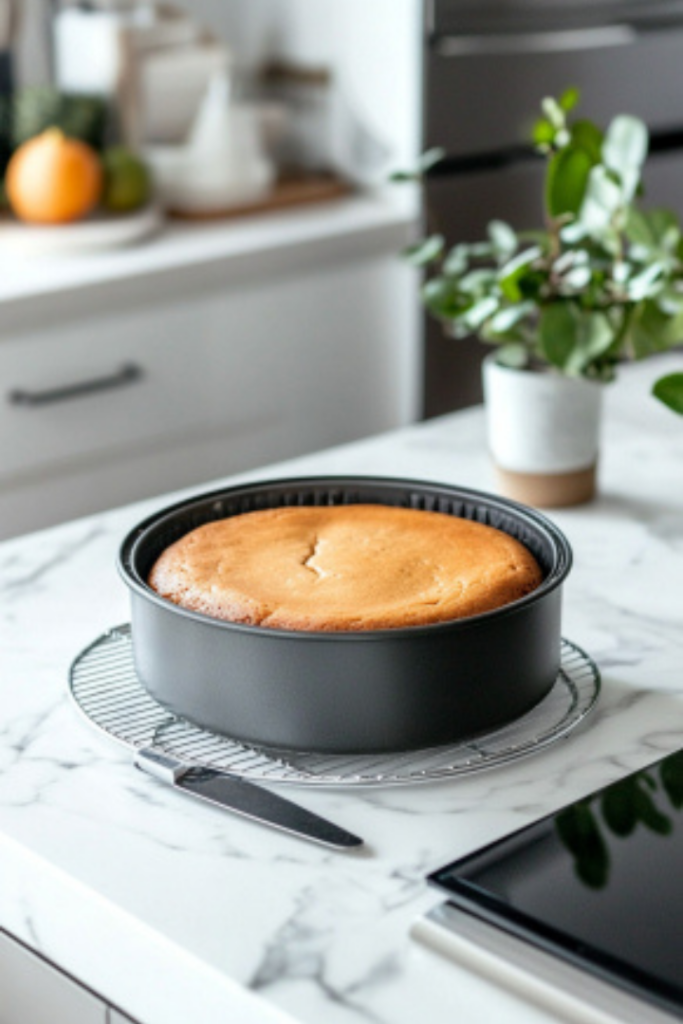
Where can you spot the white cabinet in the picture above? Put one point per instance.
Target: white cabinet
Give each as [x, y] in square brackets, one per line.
[34, 992]
[185, 383]
[102, 388]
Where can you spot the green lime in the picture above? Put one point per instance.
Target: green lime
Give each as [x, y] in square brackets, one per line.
[127, 182]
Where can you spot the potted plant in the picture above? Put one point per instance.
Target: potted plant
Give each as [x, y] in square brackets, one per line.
[600, 283]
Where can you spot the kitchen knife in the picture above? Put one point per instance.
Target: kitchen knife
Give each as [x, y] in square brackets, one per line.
[243, 798]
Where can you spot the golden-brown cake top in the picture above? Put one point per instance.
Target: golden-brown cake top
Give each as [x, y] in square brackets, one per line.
[345, 567]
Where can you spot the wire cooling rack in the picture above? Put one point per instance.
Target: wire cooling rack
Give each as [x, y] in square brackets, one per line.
[106, 689]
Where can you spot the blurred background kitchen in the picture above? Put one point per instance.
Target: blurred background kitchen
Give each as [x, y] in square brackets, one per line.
[231, 294]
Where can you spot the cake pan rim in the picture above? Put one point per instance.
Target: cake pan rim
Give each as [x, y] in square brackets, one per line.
[555, 578]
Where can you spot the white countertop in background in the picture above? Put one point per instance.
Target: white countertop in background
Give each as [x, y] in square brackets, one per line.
[364, 224]
[175, 911]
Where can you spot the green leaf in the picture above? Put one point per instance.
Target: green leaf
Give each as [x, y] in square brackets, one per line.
[602, 373]
[424, 251]
[577, 278]
[621, 272]
[457, 261]
[458, 329]
[574, 269]
[587, 136]
[514, 356]
[441, 298]
[652, 331]
[431, 157]
[665, 228]
[650, 815]
[579, 832]
[510, 316]
[619, 807]
[511, 273]
[671, 769]
[479, 312]
[638, 229]
[626, 144]
[425, 162]
[539, 238]
[483, 250]
[624, 151]
[670, 301]
[553, 112]
[571, 339]
[646, 283]
[595, 337]
[573, 233]
[566, 180]
[669, 390]
[543, 133]
[648, 780]
[602, 199]
[478, 281]
[629, 180]
[673, 332]
[570, 259]
[558, 333]
[398, 177]
[569, 98]
[503, 239]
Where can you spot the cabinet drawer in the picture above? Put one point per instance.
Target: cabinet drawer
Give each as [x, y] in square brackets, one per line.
[131, 382]
[34, 992]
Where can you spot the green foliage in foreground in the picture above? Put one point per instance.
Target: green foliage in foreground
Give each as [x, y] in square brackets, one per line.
[669, 390]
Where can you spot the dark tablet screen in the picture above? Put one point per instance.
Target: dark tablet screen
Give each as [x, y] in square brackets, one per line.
[600, 882]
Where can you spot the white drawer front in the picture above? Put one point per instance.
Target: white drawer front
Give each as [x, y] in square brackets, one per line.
[34, 992]
[229, 380]
[142, 379]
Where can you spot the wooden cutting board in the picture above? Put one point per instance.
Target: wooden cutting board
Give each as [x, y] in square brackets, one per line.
[288, 192]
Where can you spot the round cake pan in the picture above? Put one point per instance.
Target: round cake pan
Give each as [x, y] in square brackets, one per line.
[351, 692]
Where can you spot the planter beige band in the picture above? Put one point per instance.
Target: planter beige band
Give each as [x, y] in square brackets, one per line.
[549, 490]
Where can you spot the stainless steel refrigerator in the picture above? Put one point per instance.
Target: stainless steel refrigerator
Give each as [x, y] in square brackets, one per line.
[488, 63]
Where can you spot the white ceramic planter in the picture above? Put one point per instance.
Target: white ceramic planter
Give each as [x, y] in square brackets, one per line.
[543, 433]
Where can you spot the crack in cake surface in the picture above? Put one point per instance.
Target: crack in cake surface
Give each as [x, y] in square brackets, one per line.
[308, 562]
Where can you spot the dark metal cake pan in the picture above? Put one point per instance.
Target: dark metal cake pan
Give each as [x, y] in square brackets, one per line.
[351, 692]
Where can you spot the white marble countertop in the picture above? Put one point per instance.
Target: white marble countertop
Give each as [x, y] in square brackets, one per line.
[174, 911]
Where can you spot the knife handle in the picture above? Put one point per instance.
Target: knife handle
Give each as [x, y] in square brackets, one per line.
[155, 762]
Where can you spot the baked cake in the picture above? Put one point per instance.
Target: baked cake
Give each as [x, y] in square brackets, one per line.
[344, 567]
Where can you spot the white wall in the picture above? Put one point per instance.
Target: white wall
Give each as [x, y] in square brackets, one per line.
[373, 46]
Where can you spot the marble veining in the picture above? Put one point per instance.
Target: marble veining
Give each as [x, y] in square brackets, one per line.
[124, 882]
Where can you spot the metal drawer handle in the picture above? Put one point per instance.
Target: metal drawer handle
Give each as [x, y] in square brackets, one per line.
[128, 373]
[520, 43]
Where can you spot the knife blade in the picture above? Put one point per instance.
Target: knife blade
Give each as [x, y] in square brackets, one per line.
[243, 797]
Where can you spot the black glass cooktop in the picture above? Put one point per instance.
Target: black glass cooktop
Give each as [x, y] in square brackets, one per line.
[600, 883]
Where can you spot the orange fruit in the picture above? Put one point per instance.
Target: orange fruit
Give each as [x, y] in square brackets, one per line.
[53, 179]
